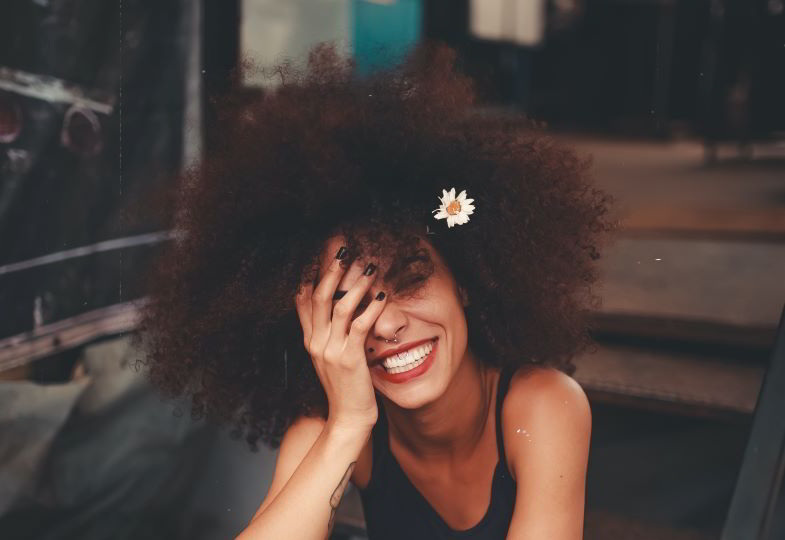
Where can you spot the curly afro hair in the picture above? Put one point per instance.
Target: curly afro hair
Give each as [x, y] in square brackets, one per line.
[330, 152]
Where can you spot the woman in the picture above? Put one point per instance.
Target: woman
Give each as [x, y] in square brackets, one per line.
[340, 222]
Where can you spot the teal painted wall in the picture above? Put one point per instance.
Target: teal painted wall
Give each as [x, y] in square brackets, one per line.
[383, 33]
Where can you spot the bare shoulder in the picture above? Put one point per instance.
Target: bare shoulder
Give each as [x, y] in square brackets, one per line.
[544, 407]
[541, 382]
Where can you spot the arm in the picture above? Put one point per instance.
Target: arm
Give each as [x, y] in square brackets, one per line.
[306, 491]
[550, 458]
[306, 504]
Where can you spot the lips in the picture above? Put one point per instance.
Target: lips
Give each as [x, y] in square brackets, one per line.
[406, 376]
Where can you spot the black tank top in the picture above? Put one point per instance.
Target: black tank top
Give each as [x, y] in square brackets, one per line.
[394, 509]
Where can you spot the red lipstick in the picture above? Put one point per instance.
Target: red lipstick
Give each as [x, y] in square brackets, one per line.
[397, 378]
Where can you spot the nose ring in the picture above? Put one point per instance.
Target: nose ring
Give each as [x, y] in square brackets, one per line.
[393, 340]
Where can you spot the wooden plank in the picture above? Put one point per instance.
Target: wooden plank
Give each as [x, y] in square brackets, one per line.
[680, 329]
[708, 223]
[676, 382]
[731, 283]
[649, 404]
[68, 333]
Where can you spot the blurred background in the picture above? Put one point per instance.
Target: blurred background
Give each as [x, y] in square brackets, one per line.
[681, 104]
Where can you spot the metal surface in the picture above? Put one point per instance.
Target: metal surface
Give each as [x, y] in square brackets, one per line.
[752, 506]
[53, 90]
[83, 251]
[100, 139]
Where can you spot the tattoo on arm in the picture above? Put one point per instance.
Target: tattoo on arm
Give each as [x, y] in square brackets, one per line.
[335, 498]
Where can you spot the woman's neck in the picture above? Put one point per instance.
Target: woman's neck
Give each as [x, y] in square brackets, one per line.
[451, 428]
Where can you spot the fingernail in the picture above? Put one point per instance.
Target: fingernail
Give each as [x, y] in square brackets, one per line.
[380, 296]
[341, 253]
[370, 269]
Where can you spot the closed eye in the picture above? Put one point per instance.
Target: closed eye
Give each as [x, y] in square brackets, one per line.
[401, 266]
[409, 282]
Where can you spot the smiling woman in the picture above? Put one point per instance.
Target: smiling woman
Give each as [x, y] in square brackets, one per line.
[390, 290]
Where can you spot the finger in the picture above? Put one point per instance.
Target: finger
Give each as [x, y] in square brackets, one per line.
[302, 302]
[360, 326]
[322, 297]
[345, 309]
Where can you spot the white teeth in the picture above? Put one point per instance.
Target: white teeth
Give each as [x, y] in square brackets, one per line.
[407, 367]
[408, 359]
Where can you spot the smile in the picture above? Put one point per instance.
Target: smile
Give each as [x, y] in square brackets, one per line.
[407, 360]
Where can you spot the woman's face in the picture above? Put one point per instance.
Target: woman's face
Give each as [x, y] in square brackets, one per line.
[435, 312]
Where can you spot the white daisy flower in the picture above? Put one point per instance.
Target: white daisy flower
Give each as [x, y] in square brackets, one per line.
[454, 209]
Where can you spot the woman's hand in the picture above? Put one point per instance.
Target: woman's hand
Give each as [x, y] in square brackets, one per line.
[336, 344]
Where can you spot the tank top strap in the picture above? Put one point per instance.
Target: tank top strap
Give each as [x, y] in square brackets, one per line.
[379, 431]
[501, 391]
[379, 445]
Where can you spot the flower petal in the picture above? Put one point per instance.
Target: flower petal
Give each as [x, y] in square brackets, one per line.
[466, 208]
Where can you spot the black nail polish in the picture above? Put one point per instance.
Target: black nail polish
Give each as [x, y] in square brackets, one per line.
[380, 296]
[341, 253]
[370, 269]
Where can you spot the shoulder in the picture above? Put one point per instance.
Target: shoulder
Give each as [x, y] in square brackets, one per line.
[544, 411]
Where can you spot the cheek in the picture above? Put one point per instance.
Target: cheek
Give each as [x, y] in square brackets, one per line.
[448, 313]
[454, 318]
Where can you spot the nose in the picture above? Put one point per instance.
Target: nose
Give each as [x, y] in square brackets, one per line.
[389, 325]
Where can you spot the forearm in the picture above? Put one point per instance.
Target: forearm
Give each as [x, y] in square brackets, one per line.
[305, 508]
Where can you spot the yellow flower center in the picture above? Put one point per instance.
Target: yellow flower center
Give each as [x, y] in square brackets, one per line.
[454, 207]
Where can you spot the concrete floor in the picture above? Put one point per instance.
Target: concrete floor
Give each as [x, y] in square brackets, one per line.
[651, 174]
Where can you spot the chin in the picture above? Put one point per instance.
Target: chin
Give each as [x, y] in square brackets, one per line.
[415, 390]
